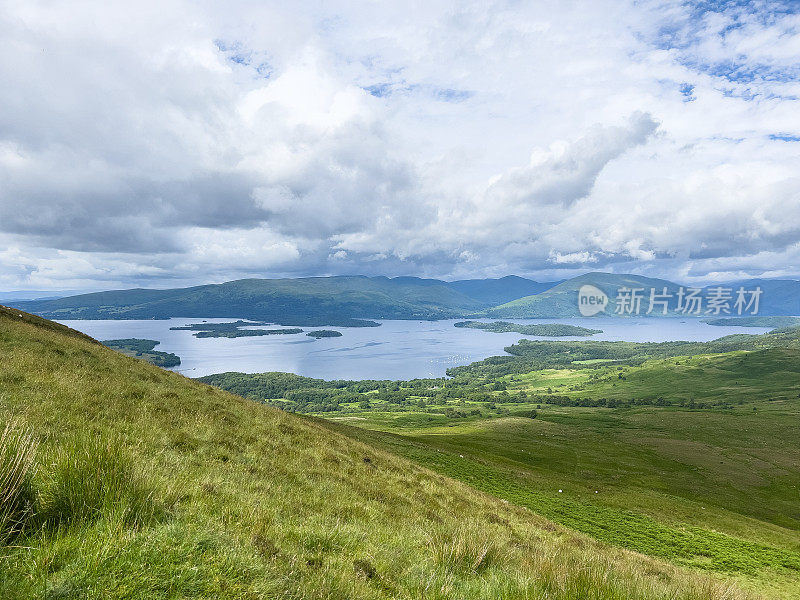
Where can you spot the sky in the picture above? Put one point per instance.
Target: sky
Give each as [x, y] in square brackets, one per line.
[168, 143]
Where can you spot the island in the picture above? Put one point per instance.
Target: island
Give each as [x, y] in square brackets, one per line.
[140, 348]
[543, 329]
[331, 321]
[755, 321]
[233, 329]
[324, 333]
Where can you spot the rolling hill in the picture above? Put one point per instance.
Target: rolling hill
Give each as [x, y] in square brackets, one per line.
[684, 451]
[121, 480]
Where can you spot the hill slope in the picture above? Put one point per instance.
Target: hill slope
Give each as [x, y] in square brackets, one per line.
[149, 485]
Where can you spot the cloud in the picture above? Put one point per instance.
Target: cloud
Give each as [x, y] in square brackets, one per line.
[566, 173]
[175, 143]
[511, 213]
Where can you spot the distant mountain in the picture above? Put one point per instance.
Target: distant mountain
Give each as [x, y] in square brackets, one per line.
[499, 291]
[286, 301]
[562, 299]
[779, 297]
[22, 295]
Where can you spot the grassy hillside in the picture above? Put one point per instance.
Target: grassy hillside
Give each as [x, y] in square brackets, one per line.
[636, 480]
[121, 480]
[710, 479]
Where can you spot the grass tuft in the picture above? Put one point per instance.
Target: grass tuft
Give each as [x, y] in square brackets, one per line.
[17, 465]
[465, 549]
[88, 477]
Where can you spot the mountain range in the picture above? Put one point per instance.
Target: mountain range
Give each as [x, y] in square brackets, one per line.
[340, 300]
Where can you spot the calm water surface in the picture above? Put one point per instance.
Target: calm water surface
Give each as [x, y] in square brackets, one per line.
[395, 350]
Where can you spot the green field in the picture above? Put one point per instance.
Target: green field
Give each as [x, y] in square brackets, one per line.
[710, 481]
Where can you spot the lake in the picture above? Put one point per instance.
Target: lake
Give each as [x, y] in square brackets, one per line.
[395, 350]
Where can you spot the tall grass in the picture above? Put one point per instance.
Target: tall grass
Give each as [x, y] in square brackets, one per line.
[87, 477]
[467, 549]
[17, 464]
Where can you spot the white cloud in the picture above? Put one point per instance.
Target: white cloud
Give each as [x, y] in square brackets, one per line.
[167, 143]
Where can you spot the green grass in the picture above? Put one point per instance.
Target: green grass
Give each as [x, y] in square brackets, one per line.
[715, 489]
[149, 485]
[17, 495]
[85, 478]
[734, 377]
[691, 459]
[647, 500]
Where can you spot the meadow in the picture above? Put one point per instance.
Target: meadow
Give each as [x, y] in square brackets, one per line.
[708, 480]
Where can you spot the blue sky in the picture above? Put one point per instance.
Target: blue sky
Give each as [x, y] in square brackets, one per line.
[164, 144]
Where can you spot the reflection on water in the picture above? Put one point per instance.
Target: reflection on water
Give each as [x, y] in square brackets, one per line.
[408, 349]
